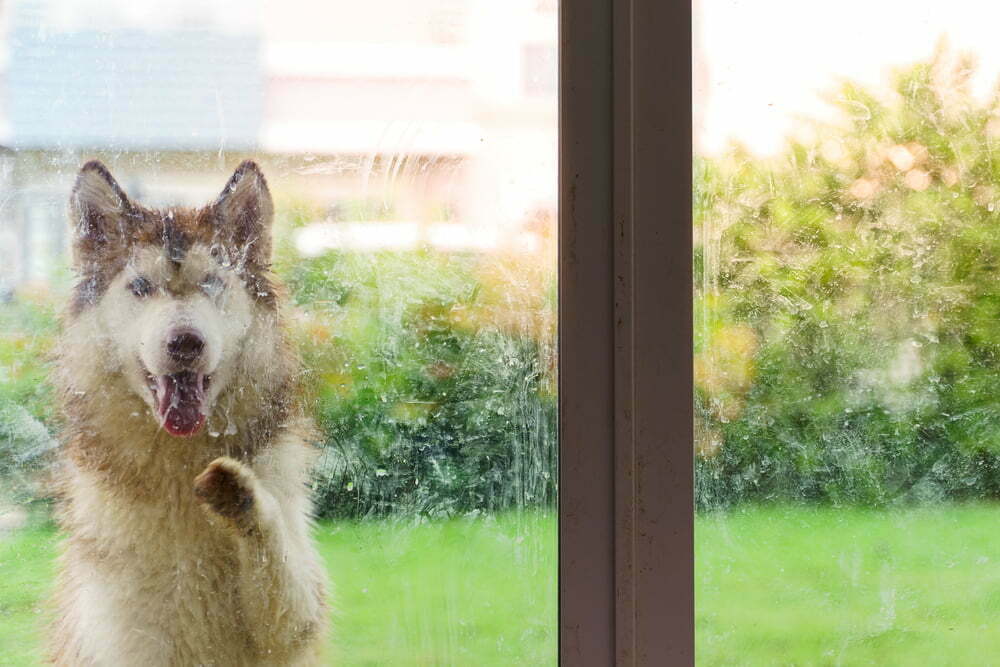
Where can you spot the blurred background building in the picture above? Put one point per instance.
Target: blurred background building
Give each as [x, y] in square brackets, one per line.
[389, 123]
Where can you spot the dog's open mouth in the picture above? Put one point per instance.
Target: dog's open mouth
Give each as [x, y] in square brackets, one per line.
[179, 400]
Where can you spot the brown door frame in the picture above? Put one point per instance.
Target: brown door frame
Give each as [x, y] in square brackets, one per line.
[626, 454]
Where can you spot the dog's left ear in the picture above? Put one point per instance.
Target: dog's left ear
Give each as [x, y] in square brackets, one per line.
[243, 214]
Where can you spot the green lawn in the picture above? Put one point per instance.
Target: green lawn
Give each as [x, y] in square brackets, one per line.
[459, 592]
[800, 586]
[26, 570]
[776, 586]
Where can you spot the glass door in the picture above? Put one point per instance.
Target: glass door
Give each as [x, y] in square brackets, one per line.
[845, 243]
[408, 151]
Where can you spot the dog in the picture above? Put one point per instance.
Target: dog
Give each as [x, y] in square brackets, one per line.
[181, 484]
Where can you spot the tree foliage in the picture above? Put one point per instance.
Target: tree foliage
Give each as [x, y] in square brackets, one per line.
[847, 303]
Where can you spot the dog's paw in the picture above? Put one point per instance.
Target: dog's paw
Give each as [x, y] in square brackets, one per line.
[226, 488]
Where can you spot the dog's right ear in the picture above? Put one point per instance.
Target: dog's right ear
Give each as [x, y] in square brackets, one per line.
[101, 214]
[244, 212]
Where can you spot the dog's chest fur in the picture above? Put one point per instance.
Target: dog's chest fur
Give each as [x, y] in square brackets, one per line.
[162, 577]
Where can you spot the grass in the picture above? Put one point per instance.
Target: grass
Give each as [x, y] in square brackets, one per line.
[775, 586]
[460, 592]
[824, 586]
[26, 570]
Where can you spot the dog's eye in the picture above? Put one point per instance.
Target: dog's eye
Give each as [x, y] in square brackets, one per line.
[212, 285]
[141, 287]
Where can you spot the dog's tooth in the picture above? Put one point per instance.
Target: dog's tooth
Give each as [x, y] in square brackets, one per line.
[163, 393]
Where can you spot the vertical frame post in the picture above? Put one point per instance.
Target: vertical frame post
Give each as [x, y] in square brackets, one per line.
[586, 336]
[626, 392]
[654, 421]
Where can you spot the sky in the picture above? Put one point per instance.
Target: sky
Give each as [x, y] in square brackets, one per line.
[760, 65]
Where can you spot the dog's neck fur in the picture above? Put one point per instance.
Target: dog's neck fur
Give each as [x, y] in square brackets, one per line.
[125, 444]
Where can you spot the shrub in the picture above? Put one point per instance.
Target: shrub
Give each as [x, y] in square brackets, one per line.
[847, 304]
[26, 331]
[430, 400]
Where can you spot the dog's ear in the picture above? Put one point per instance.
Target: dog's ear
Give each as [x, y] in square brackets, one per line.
[101, 214]
[243, 214]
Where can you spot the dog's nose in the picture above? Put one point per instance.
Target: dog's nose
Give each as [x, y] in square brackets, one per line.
[185, 347]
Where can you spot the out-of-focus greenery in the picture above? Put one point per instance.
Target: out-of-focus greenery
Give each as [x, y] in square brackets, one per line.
[432, 376]
[26, 333]
[396, 599]
[27, 328]
[848, 304]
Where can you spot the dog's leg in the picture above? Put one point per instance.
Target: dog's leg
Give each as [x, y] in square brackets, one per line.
[281, 580]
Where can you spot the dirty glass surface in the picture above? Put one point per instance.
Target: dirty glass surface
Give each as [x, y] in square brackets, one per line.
[409, 147]
[847, 339]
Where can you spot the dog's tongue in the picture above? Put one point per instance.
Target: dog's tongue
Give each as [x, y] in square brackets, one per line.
[178, 402]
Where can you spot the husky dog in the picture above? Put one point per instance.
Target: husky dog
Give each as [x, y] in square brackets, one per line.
[182, 477]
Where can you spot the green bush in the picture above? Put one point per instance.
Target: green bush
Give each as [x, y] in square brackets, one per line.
[26, 332]
[428, 403]
[848, 307]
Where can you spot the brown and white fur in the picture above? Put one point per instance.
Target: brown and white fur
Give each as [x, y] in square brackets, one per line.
[183, 472]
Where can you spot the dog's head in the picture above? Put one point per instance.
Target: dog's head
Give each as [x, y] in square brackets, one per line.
[174, 295]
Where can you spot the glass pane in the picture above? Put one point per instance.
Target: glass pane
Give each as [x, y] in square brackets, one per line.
[846, 241]
[380, 281]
